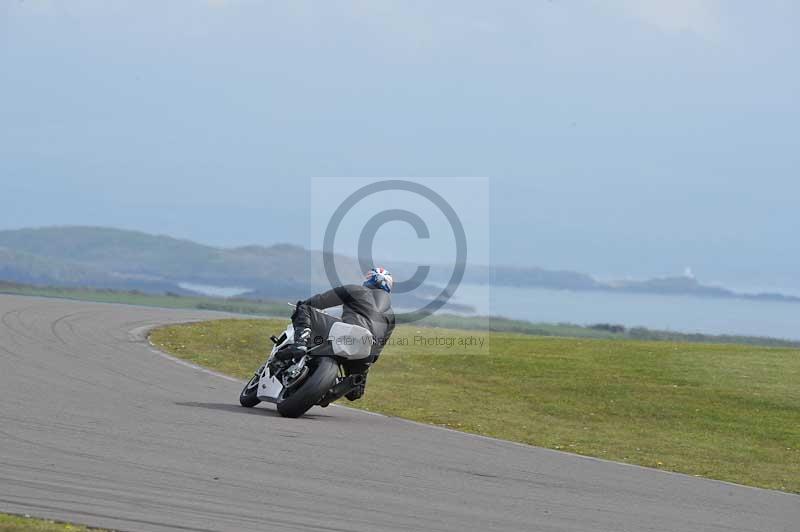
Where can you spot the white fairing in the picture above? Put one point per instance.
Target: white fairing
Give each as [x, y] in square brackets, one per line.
[289, 338]
[269, 388]
[350, 341]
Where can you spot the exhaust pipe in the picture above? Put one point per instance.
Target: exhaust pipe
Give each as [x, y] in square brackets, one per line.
[342, 388]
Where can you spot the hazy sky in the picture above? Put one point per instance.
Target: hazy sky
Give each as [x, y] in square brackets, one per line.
[621, 138]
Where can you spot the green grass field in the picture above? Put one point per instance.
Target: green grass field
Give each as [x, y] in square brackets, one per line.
[728, 412]
[15, 523]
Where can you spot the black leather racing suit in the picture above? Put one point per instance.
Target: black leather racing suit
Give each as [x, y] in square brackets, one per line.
[370, 308]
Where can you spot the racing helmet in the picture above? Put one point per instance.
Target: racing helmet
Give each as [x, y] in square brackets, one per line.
[378, 278]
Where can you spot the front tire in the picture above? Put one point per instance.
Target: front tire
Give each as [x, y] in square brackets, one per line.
[314, 387]
[248, 398]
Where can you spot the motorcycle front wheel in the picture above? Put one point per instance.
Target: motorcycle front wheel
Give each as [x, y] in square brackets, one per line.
[248, 398]
[297, 401]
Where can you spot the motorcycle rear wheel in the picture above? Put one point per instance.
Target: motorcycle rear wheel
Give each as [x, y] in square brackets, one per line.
[315, 386]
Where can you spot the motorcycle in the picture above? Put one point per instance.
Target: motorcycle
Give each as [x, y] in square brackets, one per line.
[316, 378]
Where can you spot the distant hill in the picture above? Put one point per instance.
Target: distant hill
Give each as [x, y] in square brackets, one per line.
[23, 267]
[135, 255]
[27, 268]
[101, 257]
[132, 253]
[690, 286]
[506, 276]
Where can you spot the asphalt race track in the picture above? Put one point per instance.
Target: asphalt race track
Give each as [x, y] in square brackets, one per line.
[97, 427]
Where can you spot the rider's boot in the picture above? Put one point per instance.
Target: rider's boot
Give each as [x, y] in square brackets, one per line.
[299, 348]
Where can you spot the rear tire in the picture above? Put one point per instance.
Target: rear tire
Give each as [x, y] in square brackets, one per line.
[248, 398]
[314, 387]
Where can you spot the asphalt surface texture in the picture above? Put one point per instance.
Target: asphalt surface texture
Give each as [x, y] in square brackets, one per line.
[98, 427]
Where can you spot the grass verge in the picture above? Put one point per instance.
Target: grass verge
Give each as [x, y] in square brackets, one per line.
[728, 412]
[17, 523]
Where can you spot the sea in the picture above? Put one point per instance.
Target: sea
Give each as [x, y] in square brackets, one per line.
[666, 312]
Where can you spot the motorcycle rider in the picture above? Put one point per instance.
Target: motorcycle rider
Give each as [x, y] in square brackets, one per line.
[367, 305]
